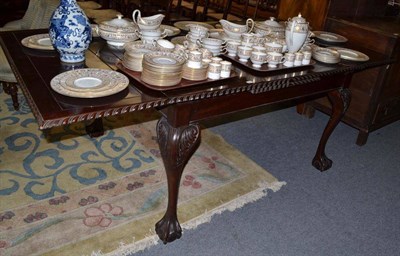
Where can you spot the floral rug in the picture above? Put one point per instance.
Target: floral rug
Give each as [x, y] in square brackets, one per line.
[64, 193]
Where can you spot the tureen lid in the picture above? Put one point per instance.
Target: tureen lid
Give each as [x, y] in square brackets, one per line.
[271, 25]
[118, 25]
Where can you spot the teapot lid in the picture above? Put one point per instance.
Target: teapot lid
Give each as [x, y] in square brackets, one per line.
[299, 19]
[118, 24]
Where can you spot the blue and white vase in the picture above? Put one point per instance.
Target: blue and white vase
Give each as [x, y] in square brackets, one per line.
[70, 31]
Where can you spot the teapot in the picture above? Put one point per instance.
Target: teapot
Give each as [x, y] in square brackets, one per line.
[296, 33]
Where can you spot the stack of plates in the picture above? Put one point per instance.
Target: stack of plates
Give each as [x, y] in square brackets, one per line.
[325, 55]
[134, 52]
[195, 74]
[349, 54]
[162, 68]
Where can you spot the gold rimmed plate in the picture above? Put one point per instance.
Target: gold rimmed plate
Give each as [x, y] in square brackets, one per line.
[349, 54]
[329, 37]
[39, 42]
[89, 83]
[183, 25]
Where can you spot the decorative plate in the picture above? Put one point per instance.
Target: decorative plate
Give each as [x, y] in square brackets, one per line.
[349, 54]
[164, 59]
[329, 37]
[170, 30]
[183, 24]
[89, 83]
[39, 41]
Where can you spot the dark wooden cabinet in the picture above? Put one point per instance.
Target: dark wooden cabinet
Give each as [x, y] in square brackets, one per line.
[376, 92]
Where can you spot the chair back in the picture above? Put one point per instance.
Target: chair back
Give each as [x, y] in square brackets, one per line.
[38, 14]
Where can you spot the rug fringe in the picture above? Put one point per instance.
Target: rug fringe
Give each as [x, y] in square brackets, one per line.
[240, 201]
[237, 203]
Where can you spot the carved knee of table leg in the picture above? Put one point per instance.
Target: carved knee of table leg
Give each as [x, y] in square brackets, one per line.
[12, 89]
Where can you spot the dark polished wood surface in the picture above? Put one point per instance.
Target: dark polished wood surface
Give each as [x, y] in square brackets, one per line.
[178, 130]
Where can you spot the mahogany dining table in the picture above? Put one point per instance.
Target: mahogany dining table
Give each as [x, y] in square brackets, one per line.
[182, 107]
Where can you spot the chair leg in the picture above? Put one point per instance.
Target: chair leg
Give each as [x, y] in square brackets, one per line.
[12, 89]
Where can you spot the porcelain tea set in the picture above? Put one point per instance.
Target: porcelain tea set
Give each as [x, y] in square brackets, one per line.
[271, 42]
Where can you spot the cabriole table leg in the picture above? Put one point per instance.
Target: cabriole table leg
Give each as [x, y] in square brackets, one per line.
[177, 145]
[340, 100]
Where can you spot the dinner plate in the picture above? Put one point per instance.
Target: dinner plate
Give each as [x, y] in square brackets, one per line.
[329, 37]
[170, 30]
[89, 83]
[39, 41]
[184, 24]
[325, 55]
[349, 54]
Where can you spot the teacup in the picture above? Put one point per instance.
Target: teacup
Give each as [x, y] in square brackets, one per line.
[214, 71]
[275, 58]
[258, 58]
[258, 48]
[194, 59]
[150, 36]
[247, 38]
[298, 59]
[226, 67]
[274, 47]
[197, 30]
[211, 41]
[289, 59]
[306, 57]
[231, 47]
[244, 53]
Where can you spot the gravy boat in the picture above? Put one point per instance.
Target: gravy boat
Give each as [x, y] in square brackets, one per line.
[234, 30]
[146, 23]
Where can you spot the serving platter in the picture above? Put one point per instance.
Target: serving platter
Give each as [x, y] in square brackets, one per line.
[38, 42]
[89, 83]
[349, 54]
[183, 25]
[329, 37]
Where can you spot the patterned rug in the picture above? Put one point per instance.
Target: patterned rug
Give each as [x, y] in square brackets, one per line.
[64, 193]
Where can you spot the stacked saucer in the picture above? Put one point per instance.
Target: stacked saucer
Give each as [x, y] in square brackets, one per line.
[134, 52]
[162, 68]
[195, 74]
[325, 55]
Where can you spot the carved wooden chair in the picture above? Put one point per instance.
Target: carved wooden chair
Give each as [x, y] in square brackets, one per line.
[37, 15]
[230, 9]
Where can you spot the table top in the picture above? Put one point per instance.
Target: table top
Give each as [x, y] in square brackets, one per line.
[35, 69]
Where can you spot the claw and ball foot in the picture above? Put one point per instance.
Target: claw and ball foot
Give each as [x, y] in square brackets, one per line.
[168, 229]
